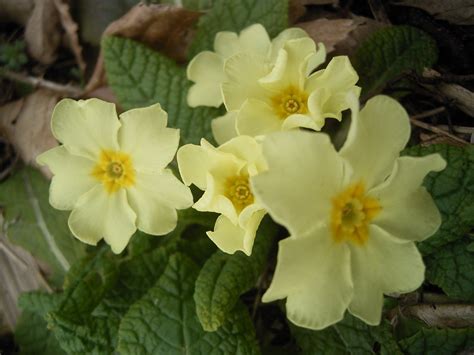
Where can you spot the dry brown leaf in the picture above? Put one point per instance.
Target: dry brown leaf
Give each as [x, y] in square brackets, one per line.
[70, 27]
[18, 11]
[330, 32]
[27, 124]
[459, 12]
[163, 27]
[43, 32]
[443, 315]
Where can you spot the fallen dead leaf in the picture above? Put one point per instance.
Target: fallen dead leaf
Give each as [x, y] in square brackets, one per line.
[71, 28]
[43, 32]
[459, 12]
[26, 122]
[165, 28]
[329, 32]
[461, 97]
[340, 35]
[18, 11]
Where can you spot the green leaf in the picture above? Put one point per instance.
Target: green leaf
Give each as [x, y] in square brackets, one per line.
[440, 341]
[349, 336]
[390, 52]
[31, 333]
[164, 321]
[448, 260]
[36, 226]
[229, 15]
[141, 77]
[225, 277]
[451, 268]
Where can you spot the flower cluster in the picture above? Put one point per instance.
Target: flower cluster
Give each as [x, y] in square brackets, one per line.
[350, 212]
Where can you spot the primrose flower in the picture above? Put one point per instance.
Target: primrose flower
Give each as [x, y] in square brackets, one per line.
[112, 173]
[287, 96]
[353, 216]
[206, 69]
[223, 174]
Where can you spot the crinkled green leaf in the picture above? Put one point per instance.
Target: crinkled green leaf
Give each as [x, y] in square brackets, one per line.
[164, 321]
[230, 15]
[447, 257]
[350, 336]
[141, 77]
[31, 333]
[453, 191]
[390, 52]
[451, 268]
[225, 277]
[440, 341]
[33, 224]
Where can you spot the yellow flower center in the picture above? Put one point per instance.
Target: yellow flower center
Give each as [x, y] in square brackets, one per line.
[352, 211]
[290, 101]
[114, 170]
[238, 191]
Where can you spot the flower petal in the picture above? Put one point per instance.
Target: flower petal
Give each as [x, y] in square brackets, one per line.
[246, 149]
[376, 137]
[72, 176]
[404, 200]
[257, 118]
[85, 127]
[243, 71]
[291, 66]
[255, 39]
[314, 274]
[284, 36]
[99, 214]
[155, 198]
[339, 75]
[207, 70]
[230, 237]
[382, 266]
[295, 190]
[146, 138]
[223, 127]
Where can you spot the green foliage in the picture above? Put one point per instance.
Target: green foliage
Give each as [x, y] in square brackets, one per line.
[164, 321]
[440, 341]
[225, 277]
[34, 225]
[350, 336]
[448, 260]
[31, 333]
[13, 55]
[390, 52]
[230, 15]
[140, 77]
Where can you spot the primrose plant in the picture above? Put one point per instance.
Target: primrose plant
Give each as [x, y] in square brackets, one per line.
[349, 213]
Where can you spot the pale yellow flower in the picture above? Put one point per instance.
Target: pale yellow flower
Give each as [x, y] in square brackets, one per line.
[112, 173]
[353, 216]
[223, 174]
[206, 69]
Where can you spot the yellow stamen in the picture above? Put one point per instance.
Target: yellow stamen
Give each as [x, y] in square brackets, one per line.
[114, 170]
[352, 211]
[290, 101]
[238, 191]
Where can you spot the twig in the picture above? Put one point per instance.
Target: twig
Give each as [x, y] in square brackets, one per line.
[65, 90]
[442, 315]
[429, 113]
[437, 130]
[376, 6]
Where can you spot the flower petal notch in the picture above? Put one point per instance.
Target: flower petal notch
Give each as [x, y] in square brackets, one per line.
[112, 173]
[224, 173]
[353, 216]
[206, 69]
